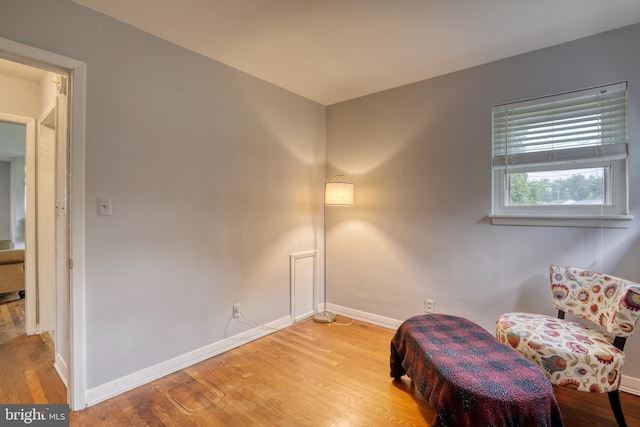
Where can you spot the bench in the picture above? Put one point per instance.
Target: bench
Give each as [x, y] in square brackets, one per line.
[469, 377]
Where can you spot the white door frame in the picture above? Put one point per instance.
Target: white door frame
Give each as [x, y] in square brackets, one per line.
[77, 72]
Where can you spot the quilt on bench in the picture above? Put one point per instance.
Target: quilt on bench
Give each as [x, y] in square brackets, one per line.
[469, 377]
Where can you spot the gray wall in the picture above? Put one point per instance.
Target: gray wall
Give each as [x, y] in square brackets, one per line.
[215, 178]
[420, 157]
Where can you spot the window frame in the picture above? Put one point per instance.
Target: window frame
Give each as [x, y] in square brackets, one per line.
[613, 213]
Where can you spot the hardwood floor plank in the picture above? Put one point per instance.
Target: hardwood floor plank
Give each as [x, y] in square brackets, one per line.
[5, 315]
[35, 388]
[26, 363]
[11, 320]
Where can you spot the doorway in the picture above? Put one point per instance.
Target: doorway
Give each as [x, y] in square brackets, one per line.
[72, 211]
[34, 144]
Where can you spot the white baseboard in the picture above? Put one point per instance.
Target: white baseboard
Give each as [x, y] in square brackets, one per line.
[144, 376]
[385, 322]
[630, 385]
[304, 316]
[60, 365]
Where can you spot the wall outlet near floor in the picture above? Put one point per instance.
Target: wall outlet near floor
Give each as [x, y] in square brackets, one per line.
[429, 305]
[236, 310]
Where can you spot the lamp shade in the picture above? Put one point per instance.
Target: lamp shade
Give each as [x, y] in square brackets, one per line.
[338, 193]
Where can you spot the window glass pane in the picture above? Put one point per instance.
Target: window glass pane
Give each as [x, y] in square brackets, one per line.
[584, 186]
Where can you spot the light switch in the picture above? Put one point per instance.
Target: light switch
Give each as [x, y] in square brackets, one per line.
[104, 206]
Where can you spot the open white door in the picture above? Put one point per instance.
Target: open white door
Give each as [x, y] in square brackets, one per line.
[62, 266]
[44, 188]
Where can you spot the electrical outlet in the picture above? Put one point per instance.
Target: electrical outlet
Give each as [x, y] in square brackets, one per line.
[429, 305]
[236, 310]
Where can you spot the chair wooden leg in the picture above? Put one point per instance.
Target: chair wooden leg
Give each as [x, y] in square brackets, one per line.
[614, 399]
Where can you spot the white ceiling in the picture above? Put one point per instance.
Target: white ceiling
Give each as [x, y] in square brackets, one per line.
[334, 50]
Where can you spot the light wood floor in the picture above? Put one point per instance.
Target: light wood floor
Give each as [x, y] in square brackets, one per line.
[309, 374]
[26, 363]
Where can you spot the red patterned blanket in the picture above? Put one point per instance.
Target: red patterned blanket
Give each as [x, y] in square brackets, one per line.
[469, 377]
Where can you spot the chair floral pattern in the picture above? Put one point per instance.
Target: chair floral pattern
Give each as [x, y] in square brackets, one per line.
[573, 354]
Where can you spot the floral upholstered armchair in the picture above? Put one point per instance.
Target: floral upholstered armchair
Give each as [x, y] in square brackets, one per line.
[571, 354]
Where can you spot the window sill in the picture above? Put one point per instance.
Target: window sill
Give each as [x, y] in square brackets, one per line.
[584, 221]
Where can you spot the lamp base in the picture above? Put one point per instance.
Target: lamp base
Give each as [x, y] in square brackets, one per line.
[324, 317]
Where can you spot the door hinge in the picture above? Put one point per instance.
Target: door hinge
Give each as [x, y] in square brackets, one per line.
[70, 264]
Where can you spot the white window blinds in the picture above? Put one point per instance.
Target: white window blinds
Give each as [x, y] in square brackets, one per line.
[583, 126]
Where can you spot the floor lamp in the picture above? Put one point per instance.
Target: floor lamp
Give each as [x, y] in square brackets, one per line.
[336, 193]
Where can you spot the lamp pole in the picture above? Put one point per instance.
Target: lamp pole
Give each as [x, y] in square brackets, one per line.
[325, 316]
[335, 194]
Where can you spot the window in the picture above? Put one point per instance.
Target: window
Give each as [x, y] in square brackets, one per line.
[562, 159]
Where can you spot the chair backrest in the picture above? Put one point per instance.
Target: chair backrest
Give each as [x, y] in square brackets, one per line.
[12, 256]
[608, 301]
